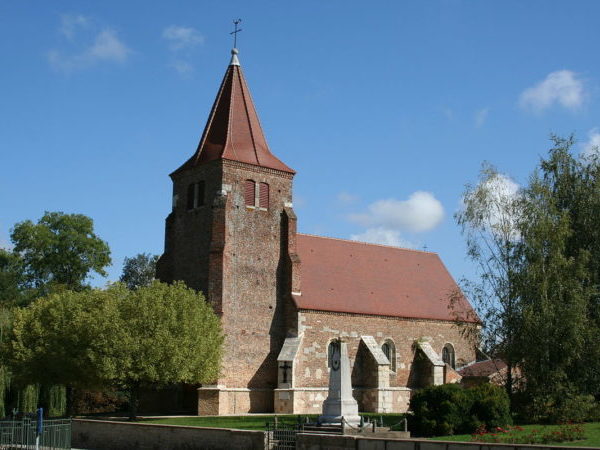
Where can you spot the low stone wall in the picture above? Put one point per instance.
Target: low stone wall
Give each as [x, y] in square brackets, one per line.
[337, 442]
[113, 435]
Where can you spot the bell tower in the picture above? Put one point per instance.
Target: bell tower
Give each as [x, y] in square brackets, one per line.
[228, 236]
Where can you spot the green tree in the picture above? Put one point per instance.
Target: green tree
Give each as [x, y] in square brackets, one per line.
[5, 375]
[66, 338]
[155, 335]
[540, 277]
[489, 220]
[139, 270]
[13, 287]
[558, 282]
[60, 249]
[173, 336]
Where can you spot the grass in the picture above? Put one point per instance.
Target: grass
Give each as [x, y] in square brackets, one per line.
[591, 430]
[257, 422]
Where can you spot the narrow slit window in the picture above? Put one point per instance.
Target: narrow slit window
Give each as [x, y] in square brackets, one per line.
[263, 199]
[199, 198]
[191, 191]
[250, 193]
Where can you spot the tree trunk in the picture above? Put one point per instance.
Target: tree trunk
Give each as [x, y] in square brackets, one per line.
[70, 401]
[134, 400]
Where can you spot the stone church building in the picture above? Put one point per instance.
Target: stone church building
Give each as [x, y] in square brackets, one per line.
[283, 296]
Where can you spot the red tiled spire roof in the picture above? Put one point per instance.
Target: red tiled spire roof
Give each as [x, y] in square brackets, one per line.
[233, 131]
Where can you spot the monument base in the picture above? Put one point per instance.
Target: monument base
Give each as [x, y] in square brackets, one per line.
[337, 420]
[334, 410]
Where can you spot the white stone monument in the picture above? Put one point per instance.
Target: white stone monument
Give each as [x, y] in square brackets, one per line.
[339, 402]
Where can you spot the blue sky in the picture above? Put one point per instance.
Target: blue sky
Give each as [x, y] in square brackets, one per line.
[386, 109]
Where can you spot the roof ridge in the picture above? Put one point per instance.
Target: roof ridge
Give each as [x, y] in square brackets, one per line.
[369, 243]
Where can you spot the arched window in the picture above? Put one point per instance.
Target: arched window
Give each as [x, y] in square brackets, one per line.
[263, 195]
[448, 355]
[250, 193]
[389, 350]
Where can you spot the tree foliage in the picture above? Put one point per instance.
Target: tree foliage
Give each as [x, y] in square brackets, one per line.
[60, 249]
[451, 409]
[155, 335]
[489, 220]
[559, 279]
[540, 277]
[139, 270]
[13, 288]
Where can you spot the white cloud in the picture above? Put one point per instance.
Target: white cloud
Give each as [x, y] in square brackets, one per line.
[592, 145]
[346, 198]
[481, 116]
[562, 87]
[106, 47]
[70, 23]
[420, 212]
[183, 68]
[180, 37]
[383, 236]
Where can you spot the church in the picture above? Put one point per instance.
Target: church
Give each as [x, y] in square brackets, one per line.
[283, 296]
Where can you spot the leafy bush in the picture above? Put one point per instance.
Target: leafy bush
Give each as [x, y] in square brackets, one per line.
[490, 407]
[451, 409]
[554, 408]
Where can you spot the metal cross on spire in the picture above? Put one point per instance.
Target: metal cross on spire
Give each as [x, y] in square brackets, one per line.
[235, 32]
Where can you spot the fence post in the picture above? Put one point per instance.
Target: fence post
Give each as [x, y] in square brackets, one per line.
[39, 428]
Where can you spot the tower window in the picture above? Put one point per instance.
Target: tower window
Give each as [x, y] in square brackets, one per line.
[448, 355]
[389, 350]
[195, 195]
[263, 198]
[199, 194]
[250, 193]
[190, 196]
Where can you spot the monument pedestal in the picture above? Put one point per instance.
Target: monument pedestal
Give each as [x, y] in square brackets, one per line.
[340, 404]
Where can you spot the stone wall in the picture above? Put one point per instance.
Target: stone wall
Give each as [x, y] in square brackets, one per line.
[320, 328]
[107, 435]
[333, 442]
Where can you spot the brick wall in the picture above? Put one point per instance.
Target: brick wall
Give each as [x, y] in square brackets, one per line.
[237, 255]
[321, 327]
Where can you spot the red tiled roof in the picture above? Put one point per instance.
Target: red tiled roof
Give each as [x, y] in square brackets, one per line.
[483, 368]
[233, 130]
[355, 277]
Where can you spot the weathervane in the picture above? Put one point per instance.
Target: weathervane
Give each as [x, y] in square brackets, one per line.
[235, 32]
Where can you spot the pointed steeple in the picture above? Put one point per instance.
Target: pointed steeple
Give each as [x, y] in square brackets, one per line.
[233, 131]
